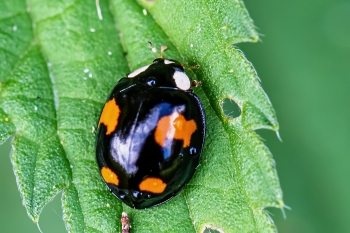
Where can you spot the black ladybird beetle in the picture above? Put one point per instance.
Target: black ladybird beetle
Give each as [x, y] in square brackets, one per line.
[150, 135]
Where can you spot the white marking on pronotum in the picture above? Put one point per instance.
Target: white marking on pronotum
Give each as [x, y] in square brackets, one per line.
[167, 62]
[182, 81]
[137, 72]
[98, 8]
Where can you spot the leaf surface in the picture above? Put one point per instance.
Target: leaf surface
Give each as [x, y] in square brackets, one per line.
[58, 74]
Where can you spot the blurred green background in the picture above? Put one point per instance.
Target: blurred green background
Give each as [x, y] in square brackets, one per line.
[303, 60]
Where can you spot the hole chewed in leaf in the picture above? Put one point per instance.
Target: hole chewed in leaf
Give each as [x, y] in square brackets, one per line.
[211, 229]
[231, 108]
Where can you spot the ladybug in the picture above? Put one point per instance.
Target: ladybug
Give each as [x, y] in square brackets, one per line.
[150, 135]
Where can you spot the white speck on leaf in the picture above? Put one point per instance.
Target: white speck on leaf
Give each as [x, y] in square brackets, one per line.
[191, 45]
[144, 11]
[86, 70]
[15, 28]
[109, 53]
[35, 108]
[92, 30]
[199, 27]
[90, 75]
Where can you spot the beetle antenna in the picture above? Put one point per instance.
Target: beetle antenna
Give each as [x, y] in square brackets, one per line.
[162, 49]
[154, 50]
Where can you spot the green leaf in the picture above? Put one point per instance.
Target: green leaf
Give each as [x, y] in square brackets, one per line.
[53, 86]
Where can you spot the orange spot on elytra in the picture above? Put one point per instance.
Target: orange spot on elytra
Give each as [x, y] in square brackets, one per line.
[174, 126]
[153, 185]
[109, 116]
[109, 176]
